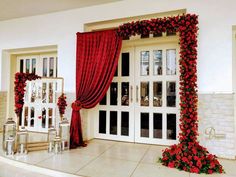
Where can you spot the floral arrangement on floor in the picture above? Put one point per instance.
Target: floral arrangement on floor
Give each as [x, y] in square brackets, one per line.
[19, 89]
[188, 155]
[61, 103]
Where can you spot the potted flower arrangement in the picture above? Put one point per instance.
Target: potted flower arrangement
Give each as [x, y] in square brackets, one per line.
[61, 103]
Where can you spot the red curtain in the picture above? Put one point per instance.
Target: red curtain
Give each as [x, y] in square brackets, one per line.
[96, 61]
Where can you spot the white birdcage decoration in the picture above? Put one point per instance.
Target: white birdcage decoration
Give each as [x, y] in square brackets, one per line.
[64, 132]
[9, 130]
[52, 133]
[22, 141]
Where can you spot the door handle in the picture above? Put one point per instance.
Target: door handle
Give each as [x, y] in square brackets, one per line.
[136, 93]
[131, 94]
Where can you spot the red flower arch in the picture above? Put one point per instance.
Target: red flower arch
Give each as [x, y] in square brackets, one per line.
[19, 89]
[188, 155]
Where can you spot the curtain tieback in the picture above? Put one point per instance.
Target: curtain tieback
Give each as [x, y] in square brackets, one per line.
[76, 105]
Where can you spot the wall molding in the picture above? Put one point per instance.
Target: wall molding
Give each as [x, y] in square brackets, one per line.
[114, 23]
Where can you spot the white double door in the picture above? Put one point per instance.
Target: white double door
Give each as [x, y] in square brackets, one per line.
[142, 103]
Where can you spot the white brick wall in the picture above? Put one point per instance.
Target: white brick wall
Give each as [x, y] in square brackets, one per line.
[217, 110]
[3, 108]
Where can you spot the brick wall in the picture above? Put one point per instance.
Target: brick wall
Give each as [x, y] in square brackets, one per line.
[217, 111]
[3, 108]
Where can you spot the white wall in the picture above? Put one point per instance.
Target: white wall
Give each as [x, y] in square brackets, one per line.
[215, 36]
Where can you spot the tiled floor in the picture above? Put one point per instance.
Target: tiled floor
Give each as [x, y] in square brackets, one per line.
[109, 159]
[12, 171]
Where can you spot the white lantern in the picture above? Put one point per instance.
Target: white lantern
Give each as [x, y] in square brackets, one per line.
[9, 130]
[52, 133]
[64, 132]
[57, 145]
[10, 145]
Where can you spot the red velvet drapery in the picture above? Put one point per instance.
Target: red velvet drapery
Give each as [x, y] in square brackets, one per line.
[96, 61]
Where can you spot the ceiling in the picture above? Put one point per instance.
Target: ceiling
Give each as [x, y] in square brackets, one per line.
[10, 9]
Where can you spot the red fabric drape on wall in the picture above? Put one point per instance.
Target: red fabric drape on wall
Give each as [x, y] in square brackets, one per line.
[96, 61]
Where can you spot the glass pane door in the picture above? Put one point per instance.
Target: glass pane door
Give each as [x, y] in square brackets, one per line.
[115, 111]
[48, 65]
[43, 65]
[156, 104]
[27, 64]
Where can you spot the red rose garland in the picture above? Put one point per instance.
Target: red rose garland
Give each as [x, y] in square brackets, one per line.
[19, 89]
[188, 155]
[61, 103]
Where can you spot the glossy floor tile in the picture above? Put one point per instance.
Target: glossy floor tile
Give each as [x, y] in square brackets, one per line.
[152, 170]
[34, 157]
[11, 171]
[126, 151]
[103, 158]
[100, 141]
[66, 162]
[108, 167]
[93, 148]
[229, 166]
[153, 154]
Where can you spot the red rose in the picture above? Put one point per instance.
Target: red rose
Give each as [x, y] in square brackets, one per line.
[171, 164]
[184, 159]
[194, 170]
[220, 170]
[210, 171]
[178, 157]
[199, 164]
[196, 158]
[212, 165]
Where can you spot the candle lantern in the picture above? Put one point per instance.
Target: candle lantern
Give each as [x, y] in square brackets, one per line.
[22, 141]
[52, 132]
[10, 145]
[9, 130]
[57, 145]
[64, 132]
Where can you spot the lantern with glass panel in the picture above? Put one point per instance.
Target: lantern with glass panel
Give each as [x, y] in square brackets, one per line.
[10, 146]
[64, 132]
[9, 131]
[52, 133]
[22, 141]
[57, 145]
